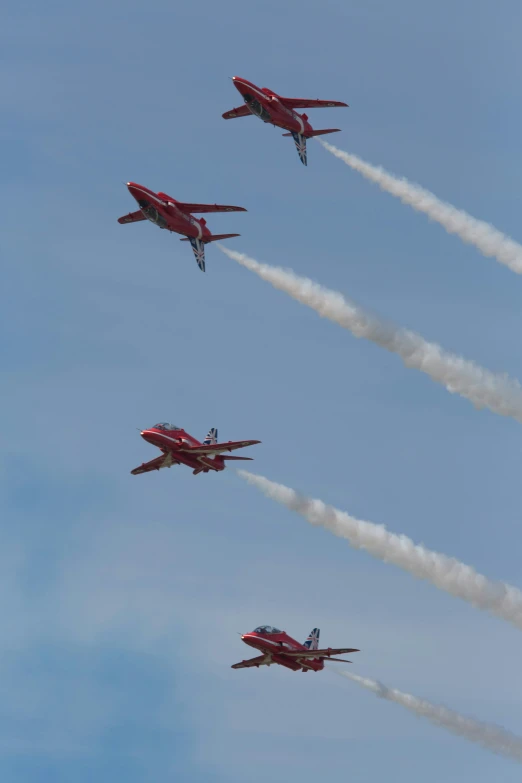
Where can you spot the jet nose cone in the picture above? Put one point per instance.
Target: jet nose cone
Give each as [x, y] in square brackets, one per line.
[134, 186]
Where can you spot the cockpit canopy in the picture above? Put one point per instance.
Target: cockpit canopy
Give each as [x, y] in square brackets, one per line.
[267, 629]
[165, 426]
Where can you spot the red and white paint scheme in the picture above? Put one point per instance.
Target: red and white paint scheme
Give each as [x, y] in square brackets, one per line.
[180, 448]
[278, 111]
[277, 647]
[165, 212]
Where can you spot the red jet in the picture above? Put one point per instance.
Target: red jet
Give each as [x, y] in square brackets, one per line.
[180, 448]
[277, 647]
[272, 108]
[175, 216]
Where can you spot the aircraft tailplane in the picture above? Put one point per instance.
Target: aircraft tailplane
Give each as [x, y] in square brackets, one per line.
[200, 243]
[323, 132]
[219, 237]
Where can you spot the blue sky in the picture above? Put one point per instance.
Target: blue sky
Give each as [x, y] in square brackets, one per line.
[121, 596]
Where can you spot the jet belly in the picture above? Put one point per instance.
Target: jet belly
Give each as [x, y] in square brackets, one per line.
[184, 224]
[289, 119]
[214, 463]
[286, 662]
[276, 651]
[201, 462]
[205, 462]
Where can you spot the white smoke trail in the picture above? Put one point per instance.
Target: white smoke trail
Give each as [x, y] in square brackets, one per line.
[492, 737]
[482, 235]
[446, 573]
[483, 388]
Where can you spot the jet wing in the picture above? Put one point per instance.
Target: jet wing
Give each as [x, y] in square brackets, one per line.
[318, 653]
[309, 103]
[241, 111]
[165, 461]
[186, 207]
[218, 448]
[132, 217]
[261, 660]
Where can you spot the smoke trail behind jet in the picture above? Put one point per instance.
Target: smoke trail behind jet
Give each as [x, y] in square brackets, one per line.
[492, 737]
[483, 388]
[446, 573]
[482, 235]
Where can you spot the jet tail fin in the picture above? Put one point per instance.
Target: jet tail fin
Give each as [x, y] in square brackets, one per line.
[312, 643]
[300, 140]
[198, 248]
[212, 437]
[300, 145]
